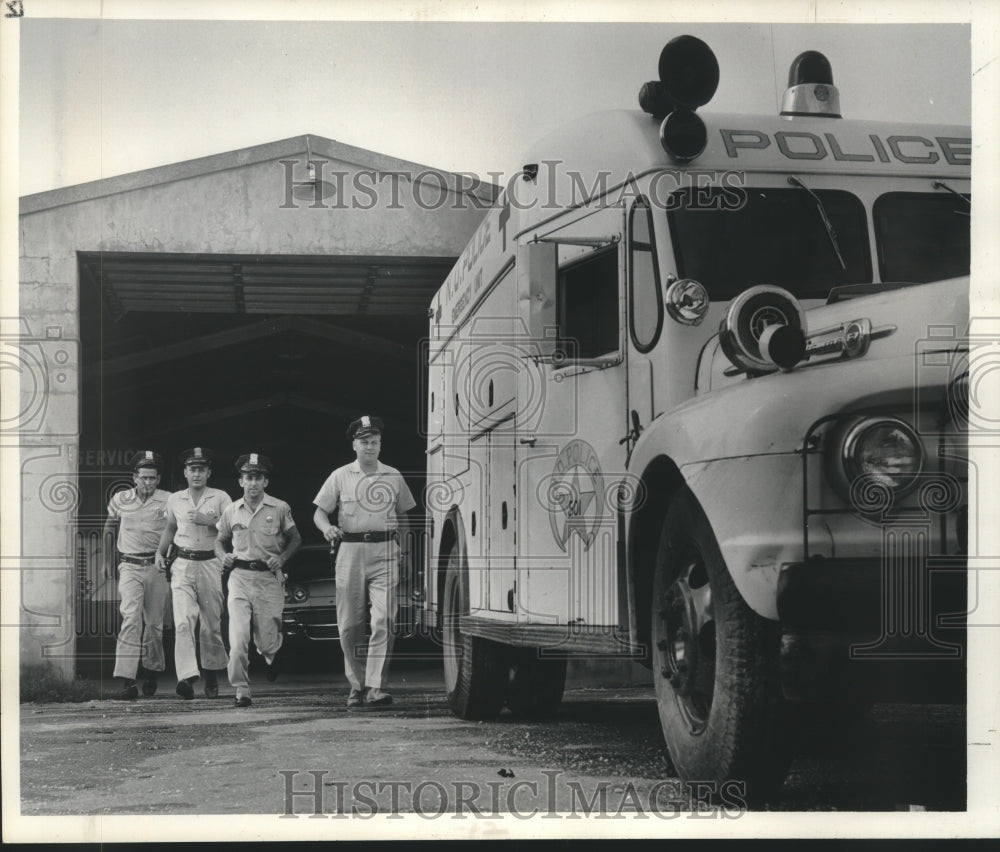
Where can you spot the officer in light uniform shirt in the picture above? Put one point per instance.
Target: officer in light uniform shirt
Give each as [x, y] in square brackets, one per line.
[370, 497]
[196, 574]
[138, 515]
[264, 537]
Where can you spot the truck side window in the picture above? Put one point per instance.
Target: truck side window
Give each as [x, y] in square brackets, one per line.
[645, 304]
[587, 301]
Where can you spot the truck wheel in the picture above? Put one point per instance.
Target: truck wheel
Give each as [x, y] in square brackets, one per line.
[715, 666]
[475, 669]
[536, 684]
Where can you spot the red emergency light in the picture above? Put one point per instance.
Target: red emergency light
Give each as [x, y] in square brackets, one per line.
[810, 89]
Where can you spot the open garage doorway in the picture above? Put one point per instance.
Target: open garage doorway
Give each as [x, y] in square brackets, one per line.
[275, 354]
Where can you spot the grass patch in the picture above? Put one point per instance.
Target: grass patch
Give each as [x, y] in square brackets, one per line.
[43, 684]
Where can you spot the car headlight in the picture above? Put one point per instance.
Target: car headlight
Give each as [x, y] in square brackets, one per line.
[296, 594]
[885, 451]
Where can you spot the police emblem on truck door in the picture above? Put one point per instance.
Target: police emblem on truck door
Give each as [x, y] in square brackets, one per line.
[575, 494]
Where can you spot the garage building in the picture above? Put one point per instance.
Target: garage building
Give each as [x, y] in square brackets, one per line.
[253, 300]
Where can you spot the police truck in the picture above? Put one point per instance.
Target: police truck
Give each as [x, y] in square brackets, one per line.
[697, 397]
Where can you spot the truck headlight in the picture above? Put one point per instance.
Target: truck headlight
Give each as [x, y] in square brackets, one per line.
[884, 450]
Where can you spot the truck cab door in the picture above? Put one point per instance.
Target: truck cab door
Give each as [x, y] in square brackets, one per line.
[645, 315]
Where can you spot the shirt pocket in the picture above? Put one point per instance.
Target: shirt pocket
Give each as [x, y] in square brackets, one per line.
[267, 533]
[241, 538]
[349, 508]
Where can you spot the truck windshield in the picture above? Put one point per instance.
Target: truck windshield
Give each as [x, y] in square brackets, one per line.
[921, 236]
[771, 236]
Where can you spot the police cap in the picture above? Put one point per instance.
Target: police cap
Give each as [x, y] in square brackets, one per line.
[197, 455]
[253, 463]
[146, 458]
[365, 425]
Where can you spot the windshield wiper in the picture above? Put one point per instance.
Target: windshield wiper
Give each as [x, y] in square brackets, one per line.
[940, 184]
[830, 230]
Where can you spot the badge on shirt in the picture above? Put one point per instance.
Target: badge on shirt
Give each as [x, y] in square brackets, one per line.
[269, 518]
[239, 527]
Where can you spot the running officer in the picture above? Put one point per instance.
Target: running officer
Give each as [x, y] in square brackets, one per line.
[196, 574]
[264, 537]
[370, 498]
[138, 517]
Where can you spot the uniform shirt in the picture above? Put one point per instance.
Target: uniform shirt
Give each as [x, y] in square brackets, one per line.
[140, 524]
[260, 534]
[368, 502]
[189, 534]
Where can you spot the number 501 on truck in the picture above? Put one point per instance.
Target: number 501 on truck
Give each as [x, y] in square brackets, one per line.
[697, 398]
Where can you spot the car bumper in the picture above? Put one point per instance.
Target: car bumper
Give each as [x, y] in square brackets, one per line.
[319, 623]
[868, 630]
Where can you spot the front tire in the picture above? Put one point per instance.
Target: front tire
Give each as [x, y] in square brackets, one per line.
[715, 665]
[475, 669]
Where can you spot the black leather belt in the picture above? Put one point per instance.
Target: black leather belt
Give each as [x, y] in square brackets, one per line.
[251, 564]
[381, 535]
[138, 558]
[195, 555]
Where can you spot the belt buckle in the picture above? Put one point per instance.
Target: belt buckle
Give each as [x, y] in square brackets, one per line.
[368, 536]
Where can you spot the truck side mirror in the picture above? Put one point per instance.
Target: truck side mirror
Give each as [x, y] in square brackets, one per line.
[537, 271]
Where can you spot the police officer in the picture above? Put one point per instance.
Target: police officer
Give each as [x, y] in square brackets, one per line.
[264, 537]
[370, 498]
[138, 516]
[196, 575]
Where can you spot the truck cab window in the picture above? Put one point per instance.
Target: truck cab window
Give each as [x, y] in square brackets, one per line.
[921, 236]
[775, 236]
[587, 300]
[645, 302]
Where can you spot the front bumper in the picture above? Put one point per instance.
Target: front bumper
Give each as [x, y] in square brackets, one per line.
[874, 629]
[319, 623]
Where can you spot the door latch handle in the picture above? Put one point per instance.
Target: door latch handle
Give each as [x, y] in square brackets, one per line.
[635, 431]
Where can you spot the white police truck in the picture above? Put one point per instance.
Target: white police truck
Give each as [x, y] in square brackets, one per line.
[696, 398]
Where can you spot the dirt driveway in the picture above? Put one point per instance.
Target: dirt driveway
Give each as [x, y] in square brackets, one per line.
[299, 751]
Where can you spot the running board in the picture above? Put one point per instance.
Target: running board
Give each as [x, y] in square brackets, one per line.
[566, 638]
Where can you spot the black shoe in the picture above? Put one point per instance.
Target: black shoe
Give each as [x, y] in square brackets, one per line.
[271, 669]
[242, 701]
[129, 692]
[149, 683]
[184, 688]
[211, 685]
[378, 698]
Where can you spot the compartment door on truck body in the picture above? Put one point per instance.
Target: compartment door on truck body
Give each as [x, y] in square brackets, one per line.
[570, 423]
[486, 380]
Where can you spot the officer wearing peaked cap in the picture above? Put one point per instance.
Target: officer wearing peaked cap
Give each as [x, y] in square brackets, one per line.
[370, 498]
[196, 579]
[136, 519]
[264, 537]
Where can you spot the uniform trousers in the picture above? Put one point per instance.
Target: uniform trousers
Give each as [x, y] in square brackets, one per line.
[196, 588]
[372, 567]
[256, 600]
[143, 591]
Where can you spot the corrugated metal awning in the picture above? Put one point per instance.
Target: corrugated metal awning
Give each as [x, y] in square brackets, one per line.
[265, 284]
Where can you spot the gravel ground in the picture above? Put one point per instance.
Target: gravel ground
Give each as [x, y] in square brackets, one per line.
[164, 755]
